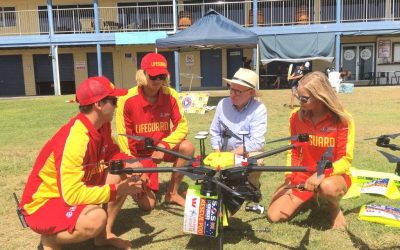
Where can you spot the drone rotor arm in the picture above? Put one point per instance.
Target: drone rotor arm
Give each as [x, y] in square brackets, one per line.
[164, 150]
[272, 152]
[276, 169]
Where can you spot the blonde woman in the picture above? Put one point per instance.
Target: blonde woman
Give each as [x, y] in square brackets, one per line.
[153, 109]
[323, 117]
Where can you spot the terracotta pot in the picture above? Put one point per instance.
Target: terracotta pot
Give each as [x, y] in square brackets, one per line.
[260, 17]
[302, 15]
[185, 20]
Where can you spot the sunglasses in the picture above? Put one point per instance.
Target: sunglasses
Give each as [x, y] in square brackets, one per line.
[111, 100]
[303, 99]
[161, 77]
[236, 91]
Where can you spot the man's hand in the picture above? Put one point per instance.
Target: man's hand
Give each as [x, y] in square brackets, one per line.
[313, 182]
[158, 156]
[238, 150]
[130, 186]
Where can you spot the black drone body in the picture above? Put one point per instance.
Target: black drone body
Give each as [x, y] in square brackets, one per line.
[230, 185]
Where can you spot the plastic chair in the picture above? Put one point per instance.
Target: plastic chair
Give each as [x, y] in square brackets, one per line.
[378, 77]
[86, 25]
[396, 77]
[335, 80]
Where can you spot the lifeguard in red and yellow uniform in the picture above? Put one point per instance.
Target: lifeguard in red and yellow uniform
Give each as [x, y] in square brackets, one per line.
[69, 180]
[322, 116]
[153, 109]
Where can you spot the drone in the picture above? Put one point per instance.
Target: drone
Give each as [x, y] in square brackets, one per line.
[230, 185]
[383, 141]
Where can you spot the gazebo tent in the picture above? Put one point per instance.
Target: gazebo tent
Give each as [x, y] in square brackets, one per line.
[211, 31]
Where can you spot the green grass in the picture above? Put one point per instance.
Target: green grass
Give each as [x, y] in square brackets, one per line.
[26, 124]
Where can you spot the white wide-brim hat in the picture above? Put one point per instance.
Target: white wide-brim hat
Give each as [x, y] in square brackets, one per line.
[244, 77]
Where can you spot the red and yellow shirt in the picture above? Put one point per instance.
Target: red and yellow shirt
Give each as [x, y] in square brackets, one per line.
[326, 133]
[163, 120]
[71, 166]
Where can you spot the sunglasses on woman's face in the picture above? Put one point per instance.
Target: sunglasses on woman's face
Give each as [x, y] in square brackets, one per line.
[161, 77]
[303, 99]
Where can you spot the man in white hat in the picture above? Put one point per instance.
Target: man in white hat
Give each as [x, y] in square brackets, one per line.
[240, 112]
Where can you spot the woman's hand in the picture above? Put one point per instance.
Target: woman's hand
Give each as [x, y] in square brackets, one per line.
[313, 182]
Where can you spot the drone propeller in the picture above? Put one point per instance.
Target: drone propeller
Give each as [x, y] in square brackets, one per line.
[391, 158]
[324, 163]
[134, 137]
[392, 136]
[292, 138]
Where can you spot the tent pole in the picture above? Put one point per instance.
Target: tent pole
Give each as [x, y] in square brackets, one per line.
[256, 58]
[177, 76]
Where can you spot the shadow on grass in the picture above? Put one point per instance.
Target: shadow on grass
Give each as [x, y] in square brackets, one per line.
[318, 217]
[362, 245]
[357, 242]
[131, 218]
[148, 239]
[238, 231]
[356, 210]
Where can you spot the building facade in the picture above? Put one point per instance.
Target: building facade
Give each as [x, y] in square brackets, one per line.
[49, 47]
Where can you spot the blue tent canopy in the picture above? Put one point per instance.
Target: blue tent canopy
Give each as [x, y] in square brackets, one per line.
[211, 31]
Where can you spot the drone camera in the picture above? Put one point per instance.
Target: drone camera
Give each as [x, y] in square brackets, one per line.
[208, 189]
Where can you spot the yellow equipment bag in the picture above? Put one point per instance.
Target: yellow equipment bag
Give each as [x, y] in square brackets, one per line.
[373, 182]
[387, 215]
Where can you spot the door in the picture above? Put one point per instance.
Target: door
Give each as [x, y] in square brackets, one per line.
[106, 64]
[44, 80]
[234, 61]
[211, 68]
[359, 60]
[11, 76]
[170, 63]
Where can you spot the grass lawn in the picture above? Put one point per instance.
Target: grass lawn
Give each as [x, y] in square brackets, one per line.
[26, 124]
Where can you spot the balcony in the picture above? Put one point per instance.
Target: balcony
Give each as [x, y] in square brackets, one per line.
[160, 17]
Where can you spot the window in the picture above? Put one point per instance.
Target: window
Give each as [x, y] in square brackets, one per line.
[65, 17]
[396, 52]
[146, 15]
[7, 17]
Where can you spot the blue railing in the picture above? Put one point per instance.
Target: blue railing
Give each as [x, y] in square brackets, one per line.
[160, 17]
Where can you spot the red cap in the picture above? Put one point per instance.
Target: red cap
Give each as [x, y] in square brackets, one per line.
[154, 64]
[96, 88]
